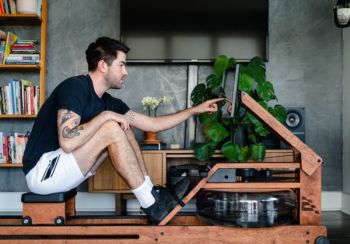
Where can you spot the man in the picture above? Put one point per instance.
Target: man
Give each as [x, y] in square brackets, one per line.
[80, 124]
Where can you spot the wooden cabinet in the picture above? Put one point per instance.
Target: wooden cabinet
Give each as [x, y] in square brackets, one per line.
[158, 163]
[107, 179]
[25, 24]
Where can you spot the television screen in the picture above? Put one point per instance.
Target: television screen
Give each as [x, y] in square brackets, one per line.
[195, 30]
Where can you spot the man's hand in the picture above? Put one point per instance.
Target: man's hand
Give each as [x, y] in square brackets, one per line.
[209, 106]
[119, 118]
[229, 106]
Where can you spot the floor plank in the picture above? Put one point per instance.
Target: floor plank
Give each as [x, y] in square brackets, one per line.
[338, 225]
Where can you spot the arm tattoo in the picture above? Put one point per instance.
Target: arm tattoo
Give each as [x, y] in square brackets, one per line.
[71, 133]
[130, 116]
[66, 116]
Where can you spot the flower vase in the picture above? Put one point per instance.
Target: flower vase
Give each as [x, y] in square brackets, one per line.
[150, 138]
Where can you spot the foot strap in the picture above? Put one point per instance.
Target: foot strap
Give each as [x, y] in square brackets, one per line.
[177, 199]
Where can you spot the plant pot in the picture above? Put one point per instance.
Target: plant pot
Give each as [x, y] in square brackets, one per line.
[150, 138]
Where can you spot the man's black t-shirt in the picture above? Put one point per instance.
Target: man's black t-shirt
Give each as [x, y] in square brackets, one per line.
[76, 94]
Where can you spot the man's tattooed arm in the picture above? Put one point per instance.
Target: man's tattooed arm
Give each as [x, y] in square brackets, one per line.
[130, 115]
[70, 133]
[68, 122]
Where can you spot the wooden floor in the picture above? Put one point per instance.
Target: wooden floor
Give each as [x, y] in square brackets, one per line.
[338, 225]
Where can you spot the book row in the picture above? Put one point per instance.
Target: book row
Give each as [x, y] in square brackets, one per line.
[14, 50]
[8, 7]
[12, 147]
[19, 97]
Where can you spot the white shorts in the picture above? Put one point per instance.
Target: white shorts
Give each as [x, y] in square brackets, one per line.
[55, 171]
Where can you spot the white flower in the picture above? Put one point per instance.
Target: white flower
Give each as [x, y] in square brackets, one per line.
[167, 99]
[152, 103]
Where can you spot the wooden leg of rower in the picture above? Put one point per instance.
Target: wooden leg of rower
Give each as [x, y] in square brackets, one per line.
[310, 198]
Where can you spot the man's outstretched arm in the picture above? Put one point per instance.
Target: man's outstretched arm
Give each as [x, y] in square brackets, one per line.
[165, 122]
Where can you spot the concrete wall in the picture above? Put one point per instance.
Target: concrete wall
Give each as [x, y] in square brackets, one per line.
[305, 66]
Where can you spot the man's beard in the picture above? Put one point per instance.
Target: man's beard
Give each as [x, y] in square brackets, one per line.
[112, 85]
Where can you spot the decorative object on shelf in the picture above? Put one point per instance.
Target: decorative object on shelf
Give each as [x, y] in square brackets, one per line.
[238, 137]
[27, 6]
[151, 104]
[342, 13]
[150, 137]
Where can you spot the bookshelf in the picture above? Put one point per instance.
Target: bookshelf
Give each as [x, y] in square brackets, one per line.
[29, 21]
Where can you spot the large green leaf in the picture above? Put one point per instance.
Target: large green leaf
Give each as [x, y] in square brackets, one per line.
[204, 118]
[217, 132]
[265, 91]
[230, 150]
[198, 94]
[279, 112]
[203, 151]
[226, 121]
[258, 61]
[257, 151]
[263, 104]
[257, 69]
[246, 83]
[243, 154]
[220, 65]
[258, 126]
[252, 138]
[231, 62]
[214, 81]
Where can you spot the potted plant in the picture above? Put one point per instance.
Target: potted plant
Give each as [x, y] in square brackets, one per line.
[221, 133]
[151, 104]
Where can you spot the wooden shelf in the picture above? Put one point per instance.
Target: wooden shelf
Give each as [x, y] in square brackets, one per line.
[20, 19]
[20, 66]
[15, 165]
[17, 116]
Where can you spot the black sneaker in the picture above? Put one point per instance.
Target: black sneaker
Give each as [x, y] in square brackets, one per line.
[180, 189]
[164, 203]
[166, 200]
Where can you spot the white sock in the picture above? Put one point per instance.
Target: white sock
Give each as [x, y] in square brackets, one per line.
[143, 193]
[148, 180]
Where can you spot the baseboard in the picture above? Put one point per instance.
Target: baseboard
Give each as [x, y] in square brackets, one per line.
[105, 202]
[331, 200]
[346, 203]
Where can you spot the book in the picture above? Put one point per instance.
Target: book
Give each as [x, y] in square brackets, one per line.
[38, 10]
[1, 148]
[6, 7]
[10, 40]
[22, 59]
[2, 10]
[155, 146]
[13, 9]
[24, 84]
[2, 35]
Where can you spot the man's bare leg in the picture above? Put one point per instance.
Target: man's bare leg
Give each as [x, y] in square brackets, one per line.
[155, 204]
[122, 155]
[134, 144]
[101, 158]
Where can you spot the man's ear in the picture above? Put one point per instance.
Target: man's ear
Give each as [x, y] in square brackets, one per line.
[102, 66]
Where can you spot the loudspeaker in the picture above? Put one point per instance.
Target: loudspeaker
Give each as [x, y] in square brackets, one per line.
[295, 122]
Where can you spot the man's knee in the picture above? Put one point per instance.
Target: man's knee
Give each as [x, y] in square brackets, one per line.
[113, 129]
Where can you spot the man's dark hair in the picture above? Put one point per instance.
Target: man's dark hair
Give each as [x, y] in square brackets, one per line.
[104, 48]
